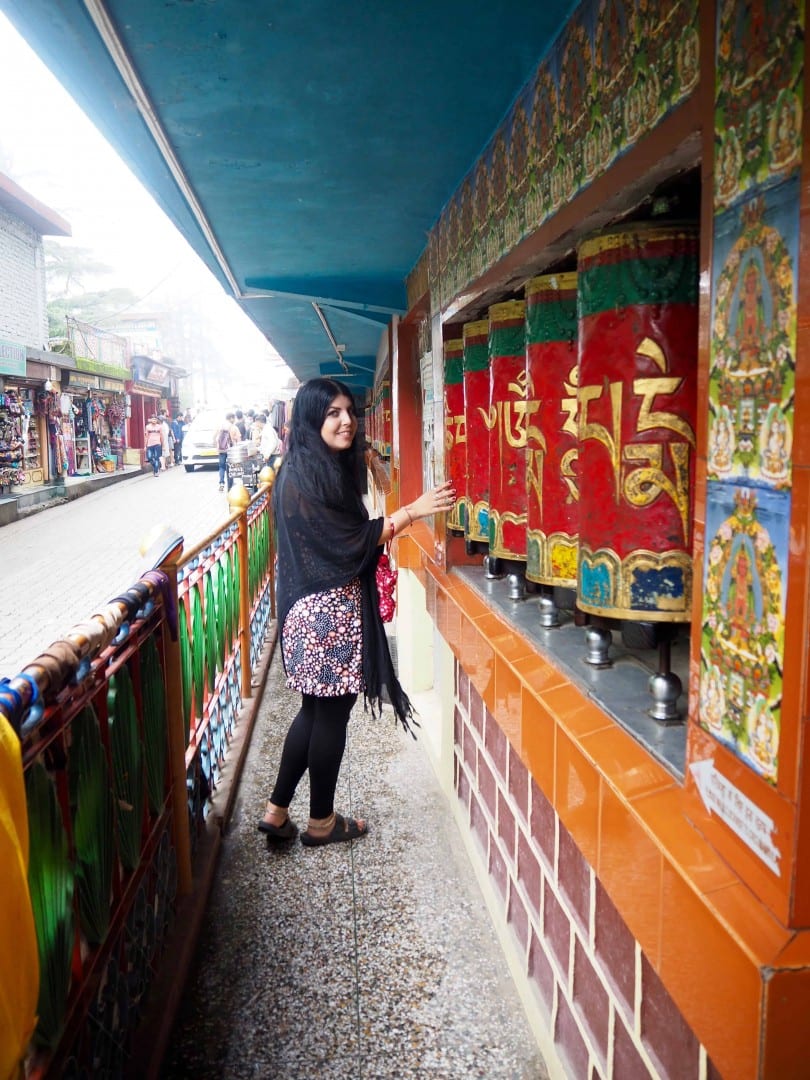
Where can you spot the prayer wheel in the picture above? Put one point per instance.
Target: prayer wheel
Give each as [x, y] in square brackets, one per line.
[638, 331]
[455, 434]
[553, 443]
[508, 422]
[384, 419]
[476, 416]
[373, 427]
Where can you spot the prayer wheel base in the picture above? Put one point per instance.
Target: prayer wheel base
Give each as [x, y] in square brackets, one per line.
[493, 568]
[665, 689]
[516, 587]
[549, 613]
[598, 639]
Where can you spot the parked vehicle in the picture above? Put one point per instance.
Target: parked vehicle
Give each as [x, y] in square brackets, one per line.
[198, 442]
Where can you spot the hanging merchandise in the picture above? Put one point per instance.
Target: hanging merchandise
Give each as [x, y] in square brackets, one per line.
[12, 470]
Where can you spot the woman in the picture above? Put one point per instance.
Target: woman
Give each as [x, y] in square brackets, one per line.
[333, 643]
[153, 441]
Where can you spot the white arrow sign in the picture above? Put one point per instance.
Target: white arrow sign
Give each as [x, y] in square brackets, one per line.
[745, 818]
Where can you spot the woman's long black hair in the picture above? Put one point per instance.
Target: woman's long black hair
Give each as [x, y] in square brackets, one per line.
[332, 478]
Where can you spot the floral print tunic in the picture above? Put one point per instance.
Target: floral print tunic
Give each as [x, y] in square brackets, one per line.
[322, 642]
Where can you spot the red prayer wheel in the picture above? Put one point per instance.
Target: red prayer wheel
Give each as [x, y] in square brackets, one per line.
[508, 423]
[476, 417]
[455, 431]
[553, 443]
[384, 419]
[373, 420]
[638, 330]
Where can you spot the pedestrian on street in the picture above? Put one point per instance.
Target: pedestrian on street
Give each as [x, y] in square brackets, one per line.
[256, 430]
[177, 432]
[226, 436]
[270, 445]
[153, 441]
[333, 643]
[167, 440]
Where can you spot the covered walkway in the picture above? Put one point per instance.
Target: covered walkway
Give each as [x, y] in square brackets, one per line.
[375, 959]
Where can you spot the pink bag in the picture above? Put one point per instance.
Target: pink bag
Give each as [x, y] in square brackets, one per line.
[386, 587]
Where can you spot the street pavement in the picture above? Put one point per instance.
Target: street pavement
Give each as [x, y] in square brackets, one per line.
[60, 565]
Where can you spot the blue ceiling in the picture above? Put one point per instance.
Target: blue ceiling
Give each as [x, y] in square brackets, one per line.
[304, 148]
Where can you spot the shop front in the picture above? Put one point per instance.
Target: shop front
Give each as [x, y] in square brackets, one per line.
[149, 390]
[93, 415]
[28, 378]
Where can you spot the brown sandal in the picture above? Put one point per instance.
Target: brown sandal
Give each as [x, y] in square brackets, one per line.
[288, 830]
[343, 829]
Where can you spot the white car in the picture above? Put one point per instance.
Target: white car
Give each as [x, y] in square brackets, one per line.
[198, 441]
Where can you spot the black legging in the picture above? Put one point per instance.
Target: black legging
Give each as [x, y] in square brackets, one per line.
[315, 741]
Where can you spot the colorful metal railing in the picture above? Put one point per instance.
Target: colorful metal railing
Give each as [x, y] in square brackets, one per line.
[124, 724]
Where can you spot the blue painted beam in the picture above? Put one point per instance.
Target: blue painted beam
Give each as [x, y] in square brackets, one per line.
[352, 377]
[382, 295]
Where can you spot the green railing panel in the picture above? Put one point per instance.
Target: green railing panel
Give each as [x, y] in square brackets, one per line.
[210, 634]
[154, 724]
[127, 757]
[185, 668]
[237, 588]
[226, 608]
[50, 879]
[251, 561]
[222, 617]
[197, 649]
[92, 811]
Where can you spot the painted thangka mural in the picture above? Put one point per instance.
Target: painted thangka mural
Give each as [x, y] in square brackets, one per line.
[617, 68]
[744, 621]
[760, 79]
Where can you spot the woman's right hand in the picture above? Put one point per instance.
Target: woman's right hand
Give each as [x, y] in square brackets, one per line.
[439, 500]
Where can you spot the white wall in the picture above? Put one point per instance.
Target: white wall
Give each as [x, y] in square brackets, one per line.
[23, 315]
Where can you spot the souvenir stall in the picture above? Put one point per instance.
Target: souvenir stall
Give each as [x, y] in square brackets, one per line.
[23, 435]
[99, 428]
[97, 389]
[13, 424]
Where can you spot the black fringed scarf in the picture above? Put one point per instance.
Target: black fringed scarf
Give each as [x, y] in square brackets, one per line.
[322, 547]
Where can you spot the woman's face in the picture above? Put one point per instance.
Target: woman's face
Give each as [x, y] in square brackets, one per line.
[340, 424]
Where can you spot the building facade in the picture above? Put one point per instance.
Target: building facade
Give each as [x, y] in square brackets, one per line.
[29, 374]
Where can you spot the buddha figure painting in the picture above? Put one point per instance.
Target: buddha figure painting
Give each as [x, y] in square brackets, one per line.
[775, 445]
[751, 329]
[722, 442]
[743, 632]
[763, 738]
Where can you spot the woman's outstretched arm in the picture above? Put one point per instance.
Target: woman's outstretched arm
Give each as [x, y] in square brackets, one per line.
[438, 500]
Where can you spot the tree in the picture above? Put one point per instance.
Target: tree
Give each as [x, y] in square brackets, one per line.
[96, 308]
[69, 269]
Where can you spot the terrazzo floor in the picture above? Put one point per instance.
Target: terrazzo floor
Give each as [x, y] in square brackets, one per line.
[362, 961]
